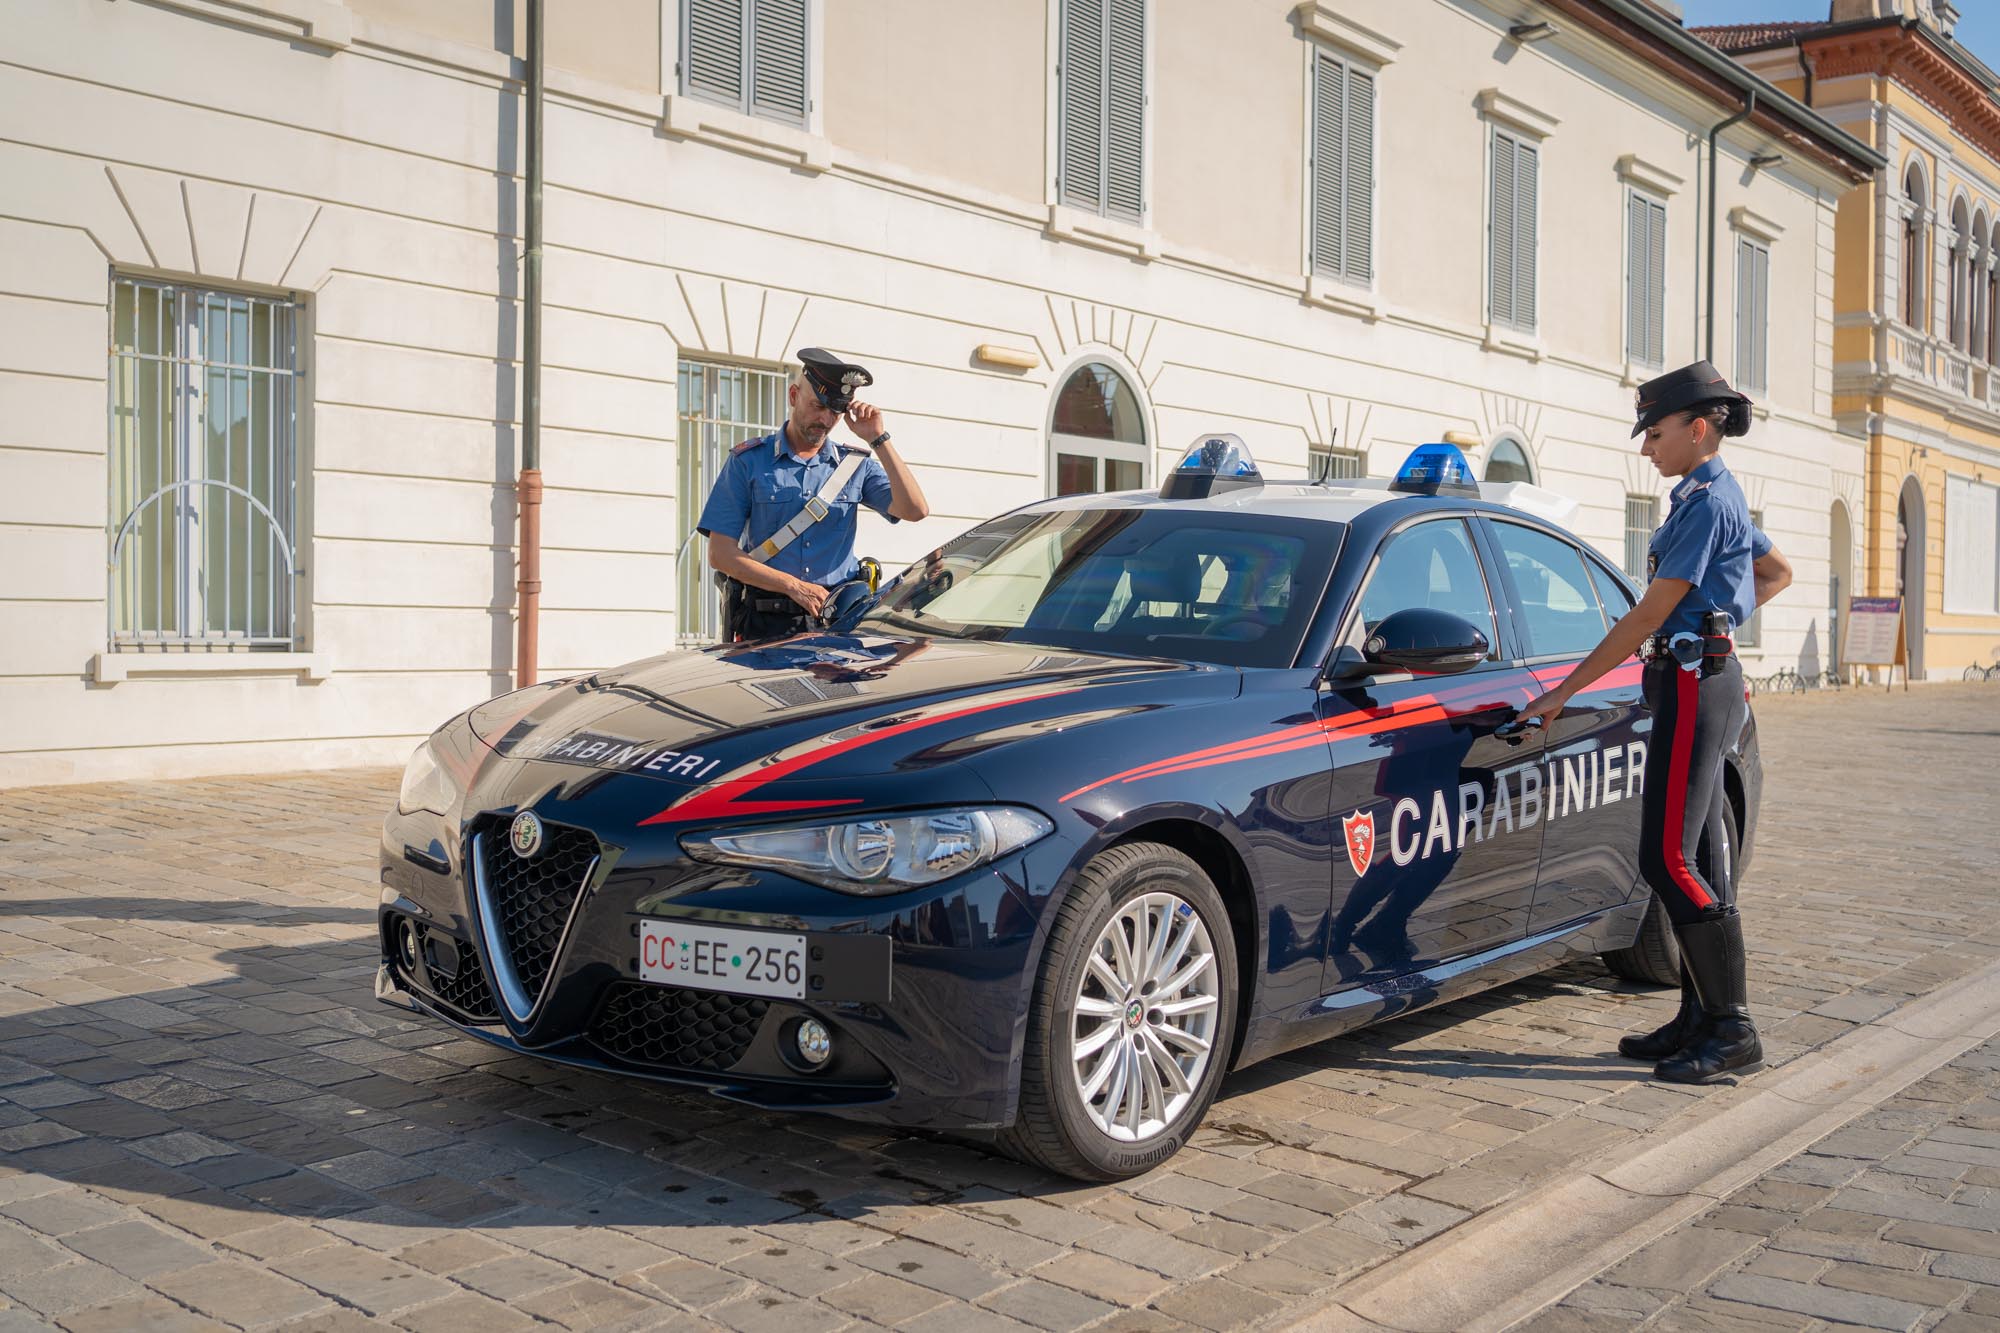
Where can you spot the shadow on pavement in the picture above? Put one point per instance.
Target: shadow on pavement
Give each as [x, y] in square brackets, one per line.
[281, 1089]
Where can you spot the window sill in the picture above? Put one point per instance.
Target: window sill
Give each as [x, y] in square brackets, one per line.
[1344, 297]
[1124, 238]
[1512, 341]
[707, 122]
[1638, 372]
[112, 668]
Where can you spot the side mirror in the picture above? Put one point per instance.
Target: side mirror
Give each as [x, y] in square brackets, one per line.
[1426, 642]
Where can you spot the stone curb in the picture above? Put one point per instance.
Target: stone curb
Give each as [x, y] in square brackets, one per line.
[1505, 1265]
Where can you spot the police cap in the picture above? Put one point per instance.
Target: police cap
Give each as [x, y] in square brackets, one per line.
[1691, 386]
[833, 381]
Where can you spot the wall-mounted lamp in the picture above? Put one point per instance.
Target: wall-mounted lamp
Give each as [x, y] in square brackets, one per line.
[1013, 358]
[1764, 160]
[1530, 32]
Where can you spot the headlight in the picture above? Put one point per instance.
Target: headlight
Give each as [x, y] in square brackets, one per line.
[883, 854]
[425, 786]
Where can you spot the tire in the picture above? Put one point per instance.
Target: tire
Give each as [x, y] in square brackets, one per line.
[1655, 957]
[1097, 1138]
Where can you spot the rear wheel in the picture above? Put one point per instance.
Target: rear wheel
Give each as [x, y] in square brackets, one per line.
[1132, 1017]
[1655, 957]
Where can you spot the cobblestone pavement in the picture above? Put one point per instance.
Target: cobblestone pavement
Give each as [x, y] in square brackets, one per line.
[1892, 1222]
[206, 1120]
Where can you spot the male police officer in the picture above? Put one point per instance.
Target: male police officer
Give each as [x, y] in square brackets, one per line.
[1709, 569]
[781, 520]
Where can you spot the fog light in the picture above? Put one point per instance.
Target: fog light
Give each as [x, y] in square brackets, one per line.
[814, 1041]
[406, 945]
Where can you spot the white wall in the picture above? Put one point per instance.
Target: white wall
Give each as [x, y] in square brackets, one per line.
[379, 180]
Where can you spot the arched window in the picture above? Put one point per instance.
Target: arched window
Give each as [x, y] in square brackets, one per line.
[1913, 247]
[1960, 268]
[1977, 311]
[1508, 460]
[1097, 438]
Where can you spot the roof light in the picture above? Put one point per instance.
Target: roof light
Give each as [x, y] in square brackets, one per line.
[1435, 469]
[1214, 464]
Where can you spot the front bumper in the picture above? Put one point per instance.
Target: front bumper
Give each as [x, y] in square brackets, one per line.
[925, 992]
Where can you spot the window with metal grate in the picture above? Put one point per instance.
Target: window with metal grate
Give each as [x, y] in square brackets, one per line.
[203, 464]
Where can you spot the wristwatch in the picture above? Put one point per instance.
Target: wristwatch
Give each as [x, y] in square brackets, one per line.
[876, 443]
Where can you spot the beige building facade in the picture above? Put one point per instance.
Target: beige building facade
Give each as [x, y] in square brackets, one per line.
[260, 307]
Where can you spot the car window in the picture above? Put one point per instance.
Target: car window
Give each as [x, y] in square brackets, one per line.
[1558, 601]
[1236, 590]
[1432, 564]
[1609, 591]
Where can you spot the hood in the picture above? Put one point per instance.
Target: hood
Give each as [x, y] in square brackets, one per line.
[692, 717]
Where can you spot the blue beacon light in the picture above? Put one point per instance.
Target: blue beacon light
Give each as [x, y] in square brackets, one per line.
[1435, 469]
[1215, 463]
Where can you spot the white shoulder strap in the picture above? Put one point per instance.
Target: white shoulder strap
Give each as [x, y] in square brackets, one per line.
[816, 508]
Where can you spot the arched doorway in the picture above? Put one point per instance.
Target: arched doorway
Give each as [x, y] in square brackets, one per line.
[1097, 433]
[1840, 580]
[1910, 569]
[1507, 460]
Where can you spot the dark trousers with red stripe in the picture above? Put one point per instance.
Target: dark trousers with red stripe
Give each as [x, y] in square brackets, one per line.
[1694, 716]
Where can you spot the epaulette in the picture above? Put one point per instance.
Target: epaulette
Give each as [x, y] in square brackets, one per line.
[754, 439]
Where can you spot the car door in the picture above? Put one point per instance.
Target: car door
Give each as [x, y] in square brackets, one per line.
[1437, 863]
[1594, 756]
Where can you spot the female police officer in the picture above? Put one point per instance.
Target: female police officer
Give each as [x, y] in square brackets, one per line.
[1708, 568]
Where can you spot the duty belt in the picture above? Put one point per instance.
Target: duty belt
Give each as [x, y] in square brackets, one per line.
[1690, 650]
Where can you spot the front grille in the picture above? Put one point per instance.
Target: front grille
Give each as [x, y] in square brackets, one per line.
[467, 992]
[666, 1025]
[533, 898]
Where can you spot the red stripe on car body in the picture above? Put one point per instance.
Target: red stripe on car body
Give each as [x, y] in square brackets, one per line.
[724, 797]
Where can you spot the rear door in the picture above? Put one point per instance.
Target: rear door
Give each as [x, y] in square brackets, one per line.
[1431, 861]
[1594, 757]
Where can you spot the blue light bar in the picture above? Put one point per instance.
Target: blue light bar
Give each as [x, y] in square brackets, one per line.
[1434, 469]
[1214, 463]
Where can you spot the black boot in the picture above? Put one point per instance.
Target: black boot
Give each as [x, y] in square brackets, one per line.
[1726, 1042]
[1680, 1029]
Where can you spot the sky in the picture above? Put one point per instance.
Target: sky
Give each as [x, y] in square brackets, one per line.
[1978, 22]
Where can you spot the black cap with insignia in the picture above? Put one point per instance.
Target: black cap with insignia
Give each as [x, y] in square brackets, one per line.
[1690, 386]
[833, 380]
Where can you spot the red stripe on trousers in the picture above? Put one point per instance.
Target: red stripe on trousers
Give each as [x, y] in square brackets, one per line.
[1688, 691]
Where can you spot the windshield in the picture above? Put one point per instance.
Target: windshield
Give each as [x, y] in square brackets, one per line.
[1232, 589]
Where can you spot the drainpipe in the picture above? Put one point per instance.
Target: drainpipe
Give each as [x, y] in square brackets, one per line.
[528, 486]
[1749, 107]
[1805, 63]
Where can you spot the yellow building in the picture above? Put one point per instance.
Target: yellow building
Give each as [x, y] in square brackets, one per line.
[1917, 308]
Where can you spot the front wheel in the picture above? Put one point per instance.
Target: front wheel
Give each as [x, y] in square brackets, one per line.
[1133, 1012]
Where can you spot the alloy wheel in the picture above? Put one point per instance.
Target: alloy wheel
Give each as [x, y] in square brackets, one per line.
[1145, 1023]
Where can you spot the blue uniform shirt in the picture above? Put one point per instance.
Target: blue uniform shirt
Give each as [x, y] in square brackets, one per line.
[764, 486]
[1708, 540]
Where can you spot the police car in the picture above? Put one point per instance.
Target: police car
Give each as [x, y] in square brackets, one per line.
[1109, 796]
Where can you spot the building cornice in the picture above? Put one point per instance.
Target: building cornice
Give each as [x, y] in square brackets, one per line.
[1910, 56]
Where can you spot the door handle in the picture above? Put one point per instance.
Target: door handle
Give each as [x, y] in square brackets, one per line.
[1515, 729]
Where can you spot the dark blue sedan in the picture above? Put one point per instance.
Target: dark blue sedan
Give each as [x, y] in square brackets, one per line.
[1109, 796]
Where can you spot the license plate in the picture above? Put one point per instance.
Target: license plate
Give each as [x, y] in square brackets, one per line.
[745, 962]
